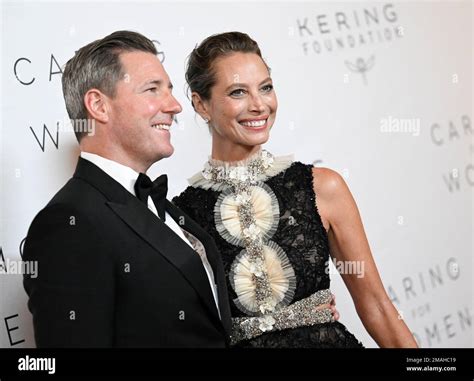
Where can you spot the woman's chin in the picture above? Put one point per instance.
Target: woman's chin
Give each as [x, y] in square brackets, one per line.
[257, 138]
[254, 143]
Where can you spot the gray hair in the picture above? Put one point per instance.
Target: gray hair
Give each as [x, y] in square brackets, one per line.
[97, 65]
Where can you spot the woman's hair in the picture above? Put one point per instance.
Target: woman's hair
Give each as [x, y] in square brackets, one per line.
[200, 74]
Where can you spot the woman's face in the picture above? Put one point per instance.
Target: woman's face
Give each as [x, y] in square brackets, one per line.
[243, 104]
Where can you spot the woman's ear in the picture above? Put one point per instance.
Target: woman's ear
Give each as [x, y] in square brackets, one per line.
[200, 106]
[96, 105]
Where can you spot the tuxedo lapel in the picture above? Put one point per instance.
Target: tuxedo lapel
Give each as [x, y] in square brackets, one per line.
[150, 228]
[213, 256]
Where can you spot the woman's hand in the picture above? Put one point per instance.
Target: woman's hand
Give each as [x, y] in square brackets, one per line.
[331, 305]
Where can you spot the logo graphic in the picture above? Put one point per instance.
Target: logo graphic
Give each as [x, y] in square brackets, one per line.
[361, 66]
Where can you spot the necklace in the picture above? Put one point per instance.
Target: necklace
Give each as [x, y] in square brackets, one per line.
[240, 173]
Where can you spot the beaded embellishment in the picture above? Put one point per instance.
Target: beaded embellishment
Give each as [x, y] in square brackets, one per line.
[247, 214]
[300, 314]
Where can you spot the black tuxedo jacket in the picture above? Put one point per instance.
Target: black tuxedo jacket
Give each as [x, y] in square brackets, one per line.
[112, 274]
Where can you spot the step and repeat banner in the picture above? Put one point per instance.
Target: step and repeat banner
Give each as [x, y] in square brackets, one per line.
[379, 91]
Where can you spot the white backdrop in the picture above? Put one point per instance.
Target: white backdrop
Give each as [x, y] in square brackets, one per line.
[381, 92]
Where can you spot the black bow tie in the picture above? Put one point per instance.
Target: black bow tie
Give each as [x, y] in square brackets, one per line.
[157, 190]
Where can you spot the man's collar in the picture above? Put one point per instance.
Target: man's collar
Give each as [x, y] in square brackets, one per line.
[124, 175]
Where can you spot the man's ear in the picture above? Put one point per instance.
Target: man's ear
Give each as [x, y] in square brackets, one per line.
[200, 106]
[96, 104]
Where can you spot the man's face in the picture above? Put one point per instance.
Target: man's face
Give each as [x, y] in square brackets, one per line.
[142, 111]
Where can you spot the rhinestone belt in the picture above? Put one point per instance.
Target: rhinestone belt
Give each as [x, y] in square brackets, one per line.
[299, 314]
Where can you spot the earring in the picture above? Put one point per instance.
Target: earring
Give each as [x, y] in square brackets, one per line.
[206, 120]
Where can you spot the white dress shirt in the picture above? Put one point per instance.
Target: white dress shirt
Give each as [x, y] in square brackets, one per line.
[127, 177]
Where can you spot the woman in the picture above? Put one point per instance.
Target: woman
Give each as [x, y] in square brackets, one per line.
[275, 221]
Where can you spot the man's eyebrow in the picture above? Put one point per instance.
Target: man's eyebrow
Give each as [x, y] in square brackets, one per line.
[157, 83]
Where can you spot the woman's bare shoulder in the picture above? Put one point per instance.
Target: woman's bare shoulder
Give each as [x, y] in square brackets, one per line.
[327, 183]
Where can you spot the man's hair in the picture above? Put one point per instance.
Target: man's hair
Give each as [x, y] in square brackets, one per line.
[97, 66]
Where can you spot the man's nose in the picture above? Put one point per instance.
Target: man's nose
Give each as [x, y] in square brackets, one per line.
[172, 105]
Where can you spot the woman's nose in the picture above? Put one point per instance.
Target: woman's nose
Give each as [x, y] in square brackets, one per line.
[257, 103]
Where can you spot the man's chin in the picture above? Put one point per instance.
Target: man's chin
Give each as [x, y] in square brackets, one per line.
[166, 153]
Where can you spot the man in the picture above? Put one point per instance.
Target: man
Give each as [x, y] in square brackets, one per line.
[114, 267]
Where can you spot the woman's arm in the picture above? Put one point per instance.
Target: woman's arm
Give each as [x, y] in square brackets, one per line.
[348, 242]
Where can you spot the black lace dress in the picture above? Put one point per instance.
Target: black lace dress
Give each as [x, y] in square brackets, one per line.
[301, 235]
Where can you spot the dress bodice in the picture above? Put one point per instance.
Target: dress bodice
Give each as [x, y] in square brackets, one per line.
[300, 232]
[269, 221]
